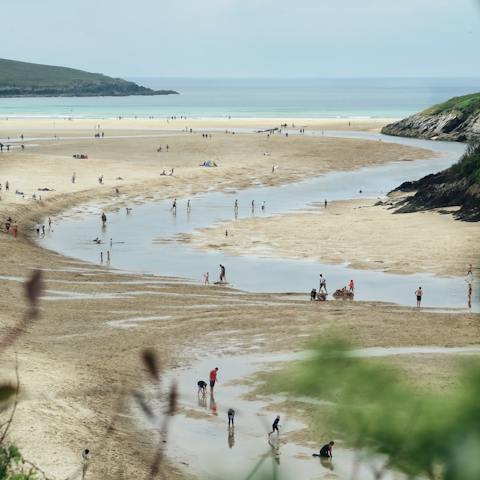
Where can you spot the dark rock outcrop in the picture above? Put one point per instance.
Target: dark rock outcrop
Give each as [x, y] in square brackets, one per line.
[453, 126]
[458, 186]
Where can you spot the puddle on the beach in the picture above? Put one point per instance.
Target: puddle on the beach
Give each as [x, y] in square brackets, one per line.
[134, 246]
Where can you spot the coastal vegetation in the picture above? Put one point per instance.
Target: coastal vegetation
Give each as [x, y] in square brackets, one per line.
[396, 426]
[457, 186]
[457, 119]
[22, 79]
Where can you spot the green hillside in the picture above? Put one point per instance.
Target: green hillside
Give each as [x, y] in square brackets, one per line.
[467, 105]
[18, 79]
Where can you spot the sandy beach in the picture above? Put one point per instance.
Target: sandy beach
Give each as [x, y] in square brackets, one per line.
[80, 360]
[359, 233]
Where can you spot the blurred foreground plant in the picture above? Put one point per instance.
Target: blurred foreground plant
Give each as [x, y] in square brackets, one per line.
[422, 434]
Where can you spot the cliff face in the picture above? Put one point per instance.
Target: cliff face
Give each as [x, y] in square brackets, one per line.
[458, 186]
[458, 119]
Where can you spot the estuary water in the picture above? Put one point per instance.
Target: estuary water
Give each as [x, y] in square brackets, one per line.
[136, 246]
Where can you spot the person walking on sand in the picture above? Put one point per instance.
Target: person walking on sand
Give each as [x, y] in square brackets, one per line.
[326, 203]
[73, 177]
[419, 294]
[275, 425]
[231, 417]
[49, 223]
[101, 257]
[263, 206]
[323, 284]
[253, 206]
[235, 207]
[188, 205]
[174, 205]
[206, 280]
[351, 286]
[104, 218]
[213, 379]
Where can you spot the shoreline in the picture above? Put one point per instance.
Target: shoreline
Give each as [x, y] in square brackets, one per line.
[75, 363]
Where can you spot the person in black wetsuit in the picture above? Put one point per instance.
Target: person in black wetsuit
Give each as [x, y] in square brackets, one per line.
[275, 425]
[325, 451]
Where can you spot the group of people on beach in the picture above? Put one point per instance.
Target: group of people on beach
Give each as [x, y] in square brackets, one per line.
[325, 452]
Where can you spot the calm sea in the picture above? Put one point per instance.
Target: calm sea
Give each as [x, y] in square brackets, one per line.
[216, 97]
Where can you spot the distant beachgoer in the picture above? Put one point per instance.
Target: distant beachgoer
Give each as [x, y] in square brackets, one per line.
[206, 279]
[275, 425]
[323, 284]
[108, 256]
[15, 229]
[111, 242]
[174, 205]
[100, 179]
[253, 206]
[313, 294]
[326, 204]
[222, 273]
[43, 230]
[104, 218]
[231, 417]
[101, 257]
[128, 210]
[202, 387]
[49, 223]
[226, 233]
[73, 177]
[351, 286]
[213, 378]
[188, 205]
[263, 206]
[7, 186]
[470, 269]
[117, 190]
[236, 205]
[419, 294]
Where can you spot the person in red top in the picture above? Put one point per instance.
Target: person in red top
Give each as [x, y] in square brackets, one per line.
[351, 286]
[213, 378]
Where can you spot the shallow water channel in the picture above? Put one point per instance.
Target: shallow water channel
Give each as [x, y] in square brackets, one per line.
[200, 439]
[134, 247]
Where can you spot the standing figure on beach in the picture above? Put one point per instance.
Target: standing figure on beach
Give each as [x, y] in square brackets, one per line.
[235, 207]
[101, 257]
[326, 203]
[104, 219]
[351, 286]
[275, 426]
[188, 205]
[213, 379]
[206, 280]
[419, 294]
[7, 186]
[108, 256]
[222, 273]
[231, 417]
[253, 206]
[74, 176]
[263, 206]
[100, 179]
[49, 223]
[174, 206]
[323, 284]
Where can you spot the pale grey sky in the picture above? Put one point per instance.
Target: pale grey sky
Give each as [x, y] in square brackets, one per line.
[326, 38]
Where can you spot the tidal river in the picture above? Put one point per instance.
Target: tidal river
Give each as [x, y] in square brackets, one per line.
[134, 247]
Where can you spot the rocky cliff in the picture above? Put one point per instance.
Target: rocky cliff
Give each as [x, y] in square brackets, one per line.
[458, 119]
[458, 186]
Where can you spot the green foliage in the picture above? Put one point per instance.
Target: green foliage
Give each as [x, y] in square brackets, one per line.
[13, 467]
[375, 410]
[467, 105]
[468, 167]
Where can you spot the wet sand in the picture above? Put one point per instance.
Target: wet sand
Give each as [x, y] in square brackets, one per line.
[358, 233]
[75, 361]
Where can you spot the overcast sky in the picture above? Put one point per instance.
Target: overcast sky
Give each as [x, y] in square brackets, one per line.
[325, 38]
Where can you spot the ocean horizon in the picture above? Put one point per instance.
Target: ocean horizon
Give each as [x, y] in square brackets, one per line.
[255, 97]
